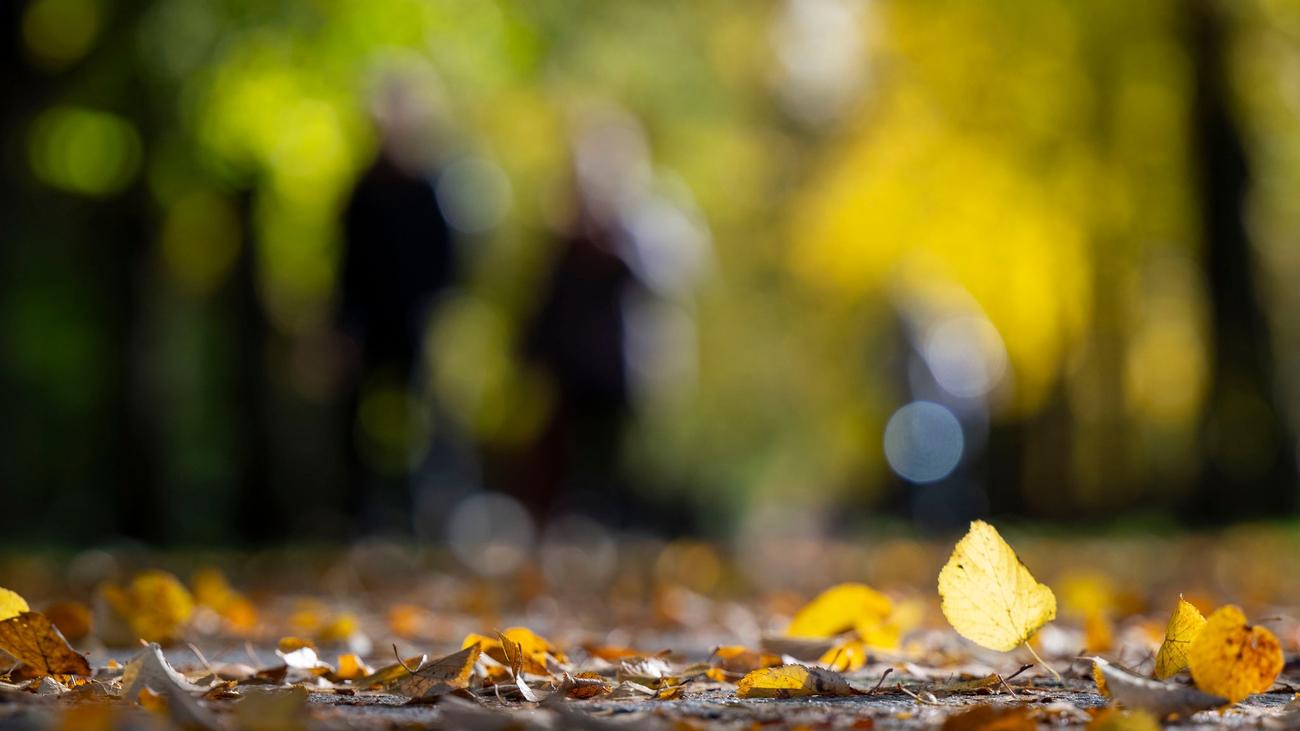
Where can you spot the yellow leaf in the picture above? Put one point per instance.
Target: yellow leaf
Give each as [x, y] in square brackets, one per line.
[1100, 680]
[790, 681]
[534, 647]
[351, 667]
[1233, 659]
[292, 643]
[1184, 624]
[11, 604]
[739, 659]
[839, 609]
[1098, 636]
[988, 595]
[213, 590]
[847, 655]
[156, 605]
[339, 629]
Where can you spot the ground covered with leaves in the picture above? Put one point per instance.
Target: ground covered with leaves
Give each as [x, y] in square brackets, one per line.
[1131, 632]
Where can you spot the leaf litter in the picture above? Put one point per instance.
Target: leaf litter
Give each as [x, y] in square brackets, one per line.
[986, 651]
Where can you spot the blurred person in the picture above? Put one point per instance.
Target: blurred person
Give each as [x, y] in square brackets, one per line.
[598, 332]
[399, 258]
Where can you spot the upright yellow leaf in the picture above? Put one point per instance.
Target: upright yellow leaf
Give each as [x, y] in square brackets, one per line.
[839, 609]
[791, 681]
[988, 595]
[1184, 624]
[11, 604]
[1233, 659]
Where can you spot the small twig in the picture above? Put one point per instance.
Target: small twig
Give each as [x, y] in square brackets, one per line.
[881, 681]
[1022, 669]
[1049, 668]
[1003, 681]
[201, 658]
[402, 662]
[916, 697]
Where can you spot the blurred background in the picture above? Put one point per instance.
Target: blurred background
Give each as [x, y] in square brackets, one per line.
[479, 272]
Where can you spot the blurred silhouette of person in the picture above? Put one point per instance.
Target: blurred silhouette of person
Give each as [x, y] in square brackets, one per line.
[596, 331]
[399, 258]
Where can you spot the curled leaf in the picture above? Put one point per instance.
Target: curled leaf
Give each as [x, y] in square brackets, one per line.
[440, 676]
[1163, 699]
[1184, 625]
[840, 609]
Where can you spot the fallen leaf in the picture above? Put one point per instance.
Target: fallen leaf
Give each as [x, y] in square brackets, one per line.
[72, 619]
[535, 648]
[149, 670]
[340, 628]
[304, 658]
[988, 717]
[351, 667]
[514, 658]
[1098, 635]
[155, 605]
[440, 676]
[988, 595]
[1163, 699]
[738, 659]
[213, 590]
[792, 681]
[839, 609]
[33, 639]
[586, 685]
[273, 710]
[848, 655]
[1113, 719]
[1233, 659]
[669, 693]
[1184, 624]
[11, 604]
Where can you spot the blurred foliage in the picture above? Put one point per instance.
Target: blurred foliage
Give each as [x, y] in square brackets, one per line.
[856, 165]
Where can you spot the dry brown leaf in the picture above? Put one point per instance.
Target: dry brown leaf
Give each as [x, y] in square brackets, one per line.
[440, 676]
[33, 639]
[792, 681]
[989, 717]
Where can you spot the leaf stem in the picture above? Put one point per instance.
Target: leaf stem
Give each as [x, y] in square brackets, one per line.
[1049, 668]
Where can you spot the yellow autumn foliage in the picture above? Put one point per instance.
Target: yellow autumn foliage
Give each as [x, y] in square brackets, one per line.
[988, 595]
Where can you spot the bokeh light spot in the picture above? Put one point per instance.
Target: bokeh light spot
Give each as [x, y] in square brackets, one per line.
[474, 194]
[491, 533]
[923, 442]
[84, 151]
[58, 32]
